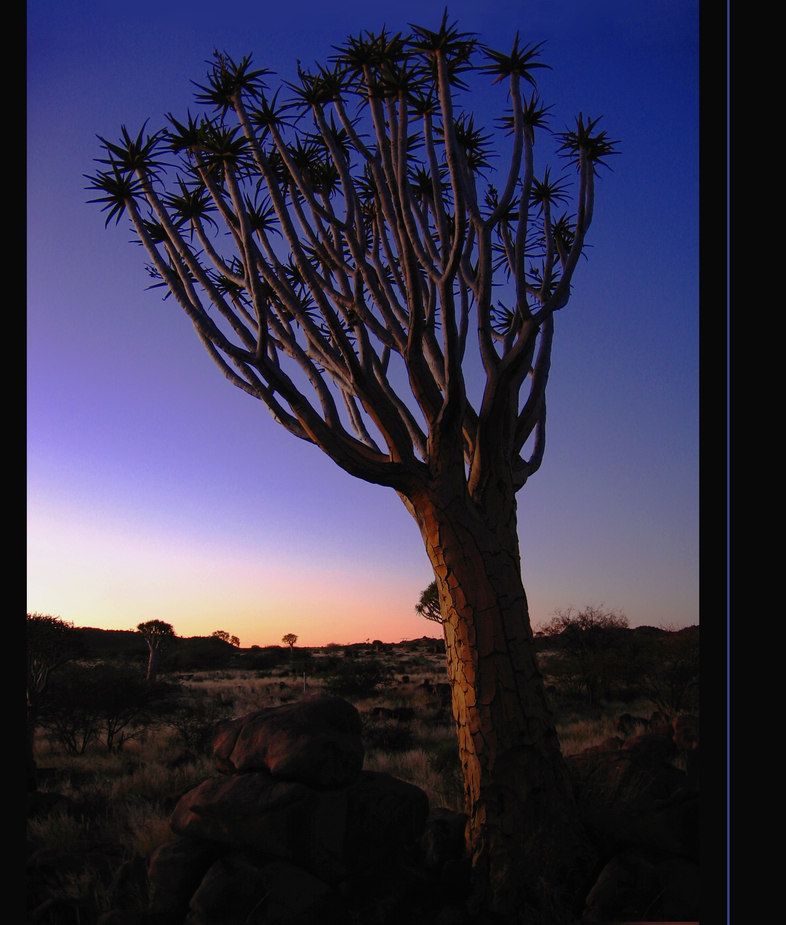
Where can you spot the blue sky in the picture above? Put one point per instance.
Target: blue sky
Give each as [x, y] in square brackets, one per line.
[157, 490]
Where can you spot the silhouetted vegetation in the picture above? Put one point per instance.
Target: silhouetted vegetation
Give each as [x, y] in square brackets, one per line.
[117, 751]
[358, 677]
[102, 703]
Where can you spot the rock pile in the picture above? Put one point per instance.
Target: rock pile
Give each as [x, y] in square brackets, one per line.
[292, 831]
[642, 811]
[290, 828]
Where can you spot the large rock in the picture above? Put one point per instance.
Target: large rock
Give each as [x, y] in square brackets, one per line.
[328, 832]
[316, 741]
[443, 839]
[237, 890]
[174, 871]
[626, 888]
[384, 814]
[285, 820]
[228, 893]
[634, 887]
[634, 795]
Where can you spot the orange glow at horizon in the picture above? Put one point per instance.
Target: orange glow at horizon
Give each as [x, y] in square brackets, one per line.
[136, 575]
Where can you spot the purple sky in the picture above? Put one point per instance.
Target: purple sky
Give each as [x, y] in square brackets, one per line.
[157, 490]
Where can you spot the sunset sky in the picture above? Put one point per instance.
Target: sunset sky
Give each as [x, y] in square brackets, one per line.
[156, 490]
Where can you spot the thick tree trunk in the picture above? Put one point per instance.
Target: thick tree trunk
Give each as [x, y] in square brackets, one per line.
[531, 859]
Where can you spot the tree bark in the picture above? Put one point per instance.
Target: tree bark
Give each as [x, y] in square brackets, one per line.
[530, 856]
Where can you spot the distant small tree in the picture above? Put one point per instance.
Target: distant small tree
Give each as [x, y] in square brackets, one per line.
[224, 636]
[289, 640]
[428, 605]
[157, 634]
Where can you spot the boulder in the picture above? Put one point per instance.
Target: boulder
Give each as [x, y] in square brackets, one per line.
[626, 795]
[681, 889]
[284, 820]
[384, 814]
[292, 896]
[230, 890]
[626, 888]
[289, 824]
[443, 838]
[315, 741]
[174, 871]
[327, 832]
[635, 887]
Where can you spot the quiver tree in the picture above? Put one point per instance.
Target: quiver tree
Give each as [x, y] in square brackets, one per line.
[428, 605]
[345, 259]
[157, 634]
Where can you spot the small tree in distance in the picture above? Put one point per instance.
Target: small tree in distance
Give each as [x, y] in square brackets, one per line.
[428, 606]
[224, 636]
[157, 634]
[289, 640]
[391, 300]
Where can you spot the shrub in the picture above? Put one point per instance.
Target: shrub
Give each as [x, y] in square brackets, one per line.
[594, 648]
[358, 677]
[194, 719]
[670, 675]
[387, 735]
[266, 658]
[100, 701]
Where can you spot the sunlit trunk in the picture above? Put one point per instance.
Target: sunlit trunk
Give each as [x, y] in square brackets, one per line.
[529, 854]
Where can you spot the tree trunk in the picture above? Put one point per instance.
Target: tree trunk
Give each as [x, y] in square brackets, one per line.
[531, 859]
[152, 661]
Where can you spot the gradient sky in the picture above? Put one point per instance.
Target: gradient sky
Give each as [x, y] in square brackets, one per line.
[156, 490]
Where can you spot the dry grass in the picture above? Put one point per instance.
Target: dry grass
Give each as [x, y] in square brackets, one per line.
[126, 798]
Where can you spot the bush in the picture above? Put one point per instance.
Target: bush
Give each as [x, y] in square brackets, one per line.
[194, 718]
[387, 735]
[265, 659]
[358, 677]
[99, 701]
[444, 759]
[595, 652]
[670, 675]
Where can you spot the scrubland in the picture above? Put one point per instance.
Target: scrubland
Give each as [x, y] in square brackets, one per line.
[109, 807]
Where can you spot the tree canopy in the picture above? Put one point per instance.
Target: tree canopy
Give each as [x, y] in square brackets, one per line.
[338, 248]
